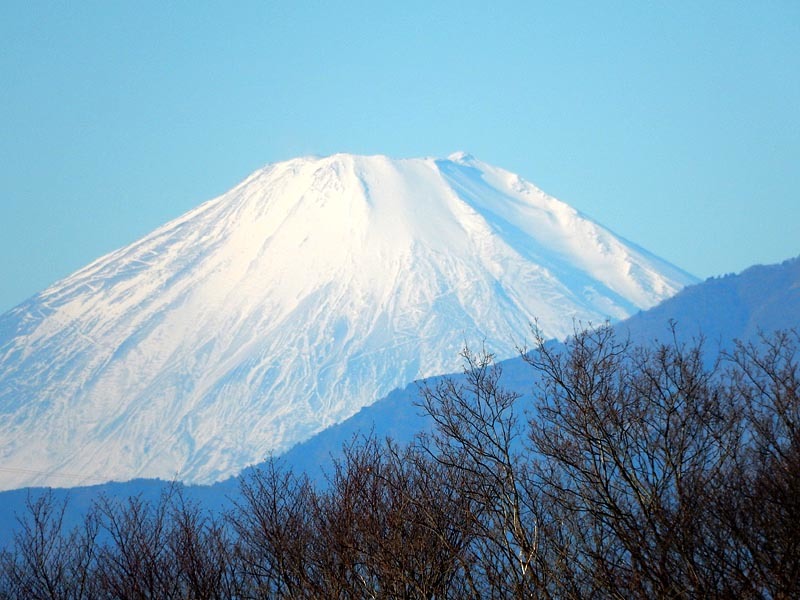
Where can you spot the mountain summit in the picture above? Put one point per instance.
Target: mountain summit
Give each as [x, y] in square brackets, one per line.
[309, 290]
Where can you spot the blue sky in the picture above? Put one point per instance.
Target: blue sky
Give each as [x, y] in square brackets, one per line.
[675, 124]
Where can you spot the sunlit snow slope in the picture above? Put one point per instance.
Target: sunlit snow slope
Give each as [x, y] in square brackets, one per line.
[311, 289]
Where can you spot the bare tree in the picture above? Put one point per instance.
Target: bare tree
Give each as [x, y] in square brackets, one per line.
[45, 562]
[135, 560]
[477, 439]
[670, 476]
[385, 523]
[272, 523]
[200, 545]
[759, 507]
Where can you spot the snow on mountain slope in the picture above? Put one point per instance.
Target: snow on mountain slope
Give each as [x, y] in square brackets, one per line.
[309, 290]
[760, 299]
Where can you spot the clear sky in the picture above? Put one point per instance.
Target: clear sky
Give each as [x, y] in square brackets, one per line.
[675, 124]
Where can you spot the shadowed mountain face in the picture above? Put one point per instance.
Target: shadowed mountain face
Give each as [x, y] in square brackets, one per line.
[763, 298]
[308, 291]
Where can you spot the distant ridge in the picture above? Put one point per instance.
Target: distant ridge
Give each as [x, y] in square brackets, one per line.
[312, 288]
[761, 298]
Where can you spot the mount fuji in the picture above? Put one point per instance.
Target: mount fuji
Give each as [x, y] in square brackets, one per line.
[309, 290]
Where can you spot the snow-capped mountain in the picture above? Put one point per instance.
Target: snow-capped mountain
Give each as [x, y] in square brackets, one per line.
[311, 289]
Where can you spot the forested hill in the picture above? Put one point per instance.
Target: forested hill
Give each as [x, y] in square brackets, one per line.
[761, 298]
